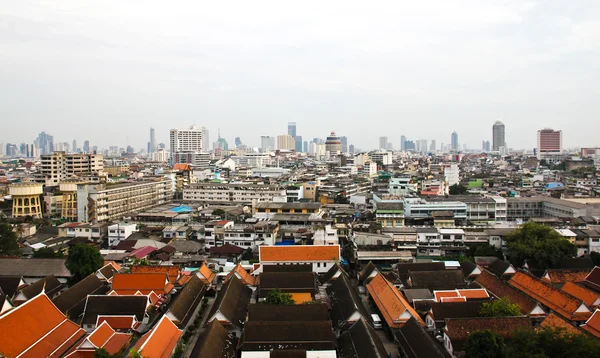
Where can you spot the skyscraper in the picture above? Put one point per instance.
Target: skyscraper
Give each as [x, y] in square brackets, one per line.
[286, 141]
[45, 142]
[485, 146]
[267, 143]
[498, 136]
[305, 146]
[238, 142]
[351, 148]
[344, 144]
[187, 140]
[549, 142]
[432, 148]
[152, 146]
[74, 149]
[86, 147]
[298, 143]
[403, 143]
[292, 129]
[205, 142]
[454, 141]
[383, 143]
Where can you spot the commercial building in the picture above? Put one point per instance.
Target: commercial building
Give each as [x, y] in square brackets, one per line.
[383, 143]
[384, 157]
[292, 129]
[333, 144]
[498, 139]
[252, 160]
[419, 208]
[243, 193]
[286, 142]
[454, 141]
[451, 173]
[186, 144]
[267, 144]
[548, 207]
[58, 166]
[197, 159]
[549, 143]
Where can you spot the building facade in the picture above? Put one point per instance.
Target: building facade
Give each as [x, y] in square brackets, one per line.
[498, 139]
[243, 193]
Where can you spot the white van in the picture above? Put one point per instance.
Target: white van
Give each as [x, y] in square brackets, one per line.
[376, 321]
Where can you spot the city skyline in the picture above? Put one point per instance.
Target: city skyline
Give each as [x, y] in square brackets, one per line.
[470, 66]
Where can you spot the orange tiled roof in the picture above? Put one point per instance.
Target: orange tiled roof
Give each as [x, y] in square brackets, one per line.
[553, 321]
[181, 166]
[23, 327]
[300, 298]
[587, 296]
[160, 341]
[464, 294]
[243, 275]
[500, 289]
[116, 342]
[592, 325]
[555, 299]
[171, 271]
[453, 299]
[561, 276]
[118, 322]
[206, 274]
[101, 334]
[143, 282]
[299, 253]
[395, 309]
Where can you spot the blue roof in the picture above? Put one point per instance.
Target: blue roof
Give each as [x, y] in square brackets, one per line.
[553, 185]
[182, 209]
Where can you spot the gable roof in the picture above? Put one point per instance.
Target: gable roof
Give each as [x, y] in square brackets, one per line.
[592, 325]
[72, 301]
[11, 284]
[459, 329]
[361, 341]
[130, 283]
[38, 328]
[553, 321]
[589, 297]
[34, 267]
[344, 300]
[172, 272]
[242, 274]
[264, 335]
[563, 275]
[299, 253]
[291, 282]
[500, 268]
[470, 268]
[264, 312]
[114, 306]
[226, 249]
[331, 274]
[440, 311]
[108, 270]
[592, 280]
[215, 342]
[437, 280]
[559, 301]
[160, 341]
[186, 302]
[287, 268]
[366, 271]
[500, 289]
[232, 302]
[575, 263]
[465, 294]
[49, 284]
[206, 275]
[415, 342]
[392, 305]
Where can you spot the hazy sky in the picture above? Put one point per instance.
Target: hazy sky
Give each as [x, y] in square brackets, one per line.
[107, 71]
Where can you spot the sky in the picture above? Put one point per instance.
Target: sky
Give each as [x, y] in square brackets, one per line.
[107, 71]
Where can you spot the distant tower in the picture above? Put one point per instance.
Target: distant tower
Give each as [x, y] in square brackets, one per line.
[498, 139]
[26, 199]
[86, 147]
[549, 142]
[454, 141]
[344, 144]
[152, 147]
[333, 144]
[292, 129]
[74, 146]
[383, 143]
[403, 143]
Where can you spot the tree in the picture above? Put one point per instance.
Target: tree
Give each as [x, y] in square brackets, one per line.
[9, 246]
[500, 308]
[485, 344]
[218, 212]
[458, 189]
[595, 256]
[82, 261]
[46, 253]
[551, 343]
[486, 250]
[248, 254]
[276, 297]
[538, 242]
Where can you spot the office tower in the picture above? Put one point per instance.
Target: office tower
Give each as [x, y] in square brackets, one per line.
[383, 143]
[485, 146]
[432, 146]
[305, 147]
[549, 142]
[344, 141]
[403, 143]
[421, 146]
[498, 136]
[205, 142]
[45, 142]
[292, 129]
[23, 149]
[74, 146]
[351, 148]
[152, 146]
[267, 143]
[238, 142]
[130, 150]
[333, 144]
[298, 143]
[454, 141]
[409, 145]
[390, 146]
[187, 140]
[221, 144]
[285, 142]
[86, 146]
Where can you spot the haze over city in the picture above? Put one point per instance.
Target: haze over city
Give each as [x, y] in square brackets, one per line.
[108, 71]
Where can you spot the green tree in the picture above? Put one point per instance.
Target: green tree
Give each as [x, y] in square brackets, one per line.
[248, 254]
[218, 212]
[538, 242]
[458, 189]
[485, 344]
[9, 245]
[486, 250]
[82, 261]
[500, 308]
[552, 343]
[46, 253]
[276, 297]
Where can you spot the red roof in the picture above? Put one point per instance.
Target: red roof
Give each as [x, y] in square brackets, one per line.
[160, 341]
[592, 325]
[171, 271]
[393, 306]
[118, 322]
[130, 283]
[24, 327]
[142, 252]
[299, 253]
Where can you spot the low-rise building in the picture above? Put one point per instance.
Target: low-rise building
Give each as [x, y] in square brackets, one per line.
[242, 193]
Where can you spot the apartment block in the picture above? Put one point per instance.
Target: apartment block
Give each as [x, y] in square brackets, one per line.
[243, 193]
[60, 165]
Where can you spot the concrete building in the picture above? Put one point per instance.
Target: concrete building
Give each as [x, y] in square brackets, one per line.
[549, 143]
[383, 143]
[252, 160]
[548, 207]
[267, 144]
[243, 193]
[268, 172]
[186, 144]
[401, 186]
[119, 232]
[384, 157]
[292, 129]
[498, 139]
[419, 208]
[333, 144]
[58, 166]
[160, 155]
[451, 173]
[197, 159]
[454, 142]
[326, 236]
[26, 199]
[286, 142]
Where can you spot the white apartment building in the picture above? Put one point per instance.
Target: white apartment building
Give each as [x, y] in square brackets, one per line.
[234, 192]
[160, 155]
[120, 232]
[252, 160]
[326, 236]
[267, 143]
[401, 186]
[60, 165]
[419, 208]
[451, 172]
[385, 157]
[187, 140]
[108, 202]
[369, 169]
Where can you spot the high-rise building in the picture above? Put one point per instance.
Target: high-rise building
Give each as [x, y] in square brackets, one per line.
[86, 147]
[292, 129]
[422, 146]
[286, 142]
[351, 148]
[267, 143]
[152, 146]
[454, 141]
[432, 147]
[298, 143]
[45, 143]
[383, 143]
[485, 146]
[74, 149]
[409, 145]
[238, 142]
[344, 141]
[498, 139]
[403, 143]
[59, 165]
[205, 139]
[333, 144]
[187, 140]
[549, 142]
